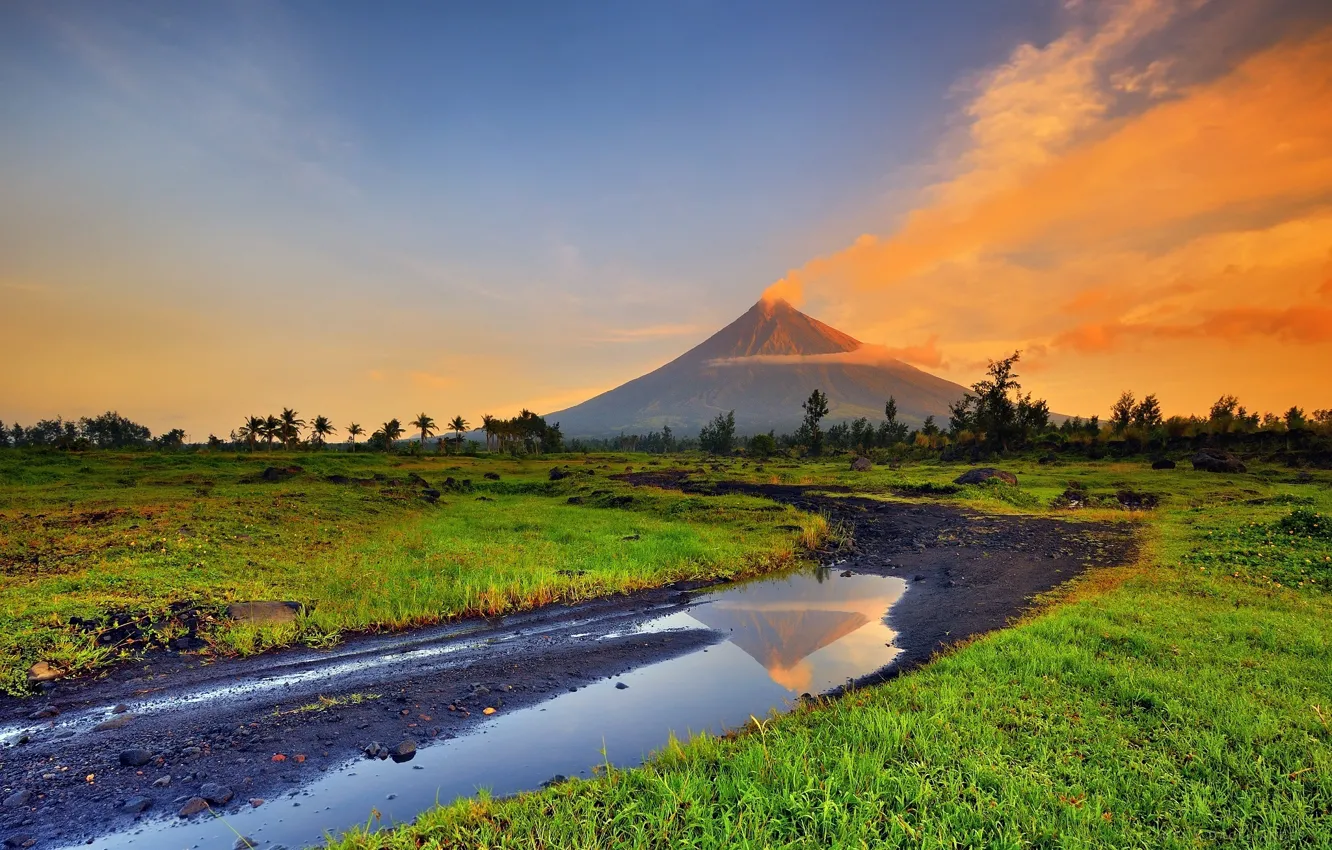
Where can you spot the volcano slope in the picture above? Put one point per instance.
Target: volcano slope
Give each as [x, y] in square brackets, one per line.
[1181, 700]
[762, 366]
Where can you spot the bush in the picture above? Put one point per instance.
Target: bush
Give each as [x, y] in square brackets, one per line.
[1303, 522]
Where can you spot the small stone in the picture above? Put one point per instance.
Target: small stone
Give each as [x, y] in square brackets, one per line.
[135, 758]
[44, 712]
[621, 686]
[244, 843]
[405, 751]
[193, 806]
[43, 672]
[117, 722]
[120, 709]
[256, 802]
[18, 798]
[19, 840]
[372, 749]
[191, 752]
[135, 805]
[162, 781]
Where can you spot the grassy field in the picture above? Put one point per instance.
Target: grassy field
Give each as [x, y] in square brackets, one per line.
[86, 535]
[1184, 701]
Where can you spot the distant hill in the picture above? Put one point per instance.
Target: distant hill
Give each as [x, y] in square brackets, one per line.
[763, 365]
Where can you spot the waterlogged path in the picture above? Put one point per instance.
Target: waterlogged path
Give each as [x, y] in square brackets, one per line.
[276, 743]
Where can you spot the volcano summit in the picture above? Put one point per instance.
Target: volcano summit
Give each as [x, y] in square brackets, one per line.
[762, 366]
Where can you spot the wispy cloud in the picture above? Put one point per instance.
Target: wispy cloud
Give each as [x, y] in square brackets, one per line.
[926, 354]
[649, 332]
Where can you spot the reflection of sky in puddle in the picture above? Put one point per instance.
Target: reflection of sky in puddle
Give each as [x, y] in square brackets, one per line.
[784, 637]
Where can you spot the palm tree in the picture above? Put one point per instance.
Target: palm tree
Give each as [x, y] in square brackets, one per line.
[290, 430]
[252, 430]
[272, 427]
[457, 426]
[391, 430]
[488, 425]
[320, 429]
[354, 431]
[426, 426]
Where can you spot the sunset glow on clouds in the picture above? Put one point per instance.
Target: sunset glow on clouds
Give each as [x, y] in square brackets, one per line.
[212, 213]
[1151, 241]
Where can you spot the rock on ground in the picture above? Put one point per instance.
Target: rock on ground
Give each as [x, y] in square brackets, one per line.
[264, 613]
[1217, 460]
[44, 672]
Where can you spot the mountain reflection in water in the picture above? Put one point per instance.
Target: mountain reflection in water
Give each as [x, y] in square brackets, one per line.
[811, 633]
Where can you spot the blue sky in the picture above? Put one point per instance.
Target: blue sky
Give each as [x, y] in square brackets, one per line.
[468, 207]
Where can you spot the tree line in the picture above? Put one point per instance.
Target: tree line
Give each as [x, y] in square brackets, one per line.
[525, 432]
[994, 415]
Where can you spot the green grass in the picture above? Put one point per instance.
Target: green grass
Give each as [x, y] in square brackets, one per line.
[1182, 701]
[82, 535]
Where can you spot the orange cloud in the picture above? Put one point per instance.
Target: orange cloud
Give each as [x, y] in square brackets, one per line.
[1303, 324]
[926, 354]
[1080, 220]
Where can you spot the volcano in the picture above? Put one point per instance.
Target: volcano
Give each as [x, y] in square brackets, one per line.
[762, 366]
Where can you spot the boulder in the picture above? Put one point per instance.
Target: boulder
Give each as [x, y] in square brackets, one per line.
[1217, 460]
[1163, 463]
[557, 474]
[861, 464]
[405, 751]
[264, 613]
[19, 798]
[492, 476]
[985, 473]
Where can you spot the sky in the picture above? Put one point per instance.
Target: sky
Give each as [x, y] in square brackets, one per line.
[210, 211]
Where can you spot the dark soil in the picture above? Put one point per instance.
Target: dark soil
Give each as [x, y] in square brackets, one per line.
[74, 750]
[970, 573]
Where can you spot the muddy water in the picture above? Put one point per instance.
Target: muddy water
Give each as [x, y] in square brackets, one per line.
[783, 637]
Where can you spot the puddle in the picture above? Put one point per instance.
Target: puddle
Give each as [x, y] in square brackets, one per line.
[783, 637]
